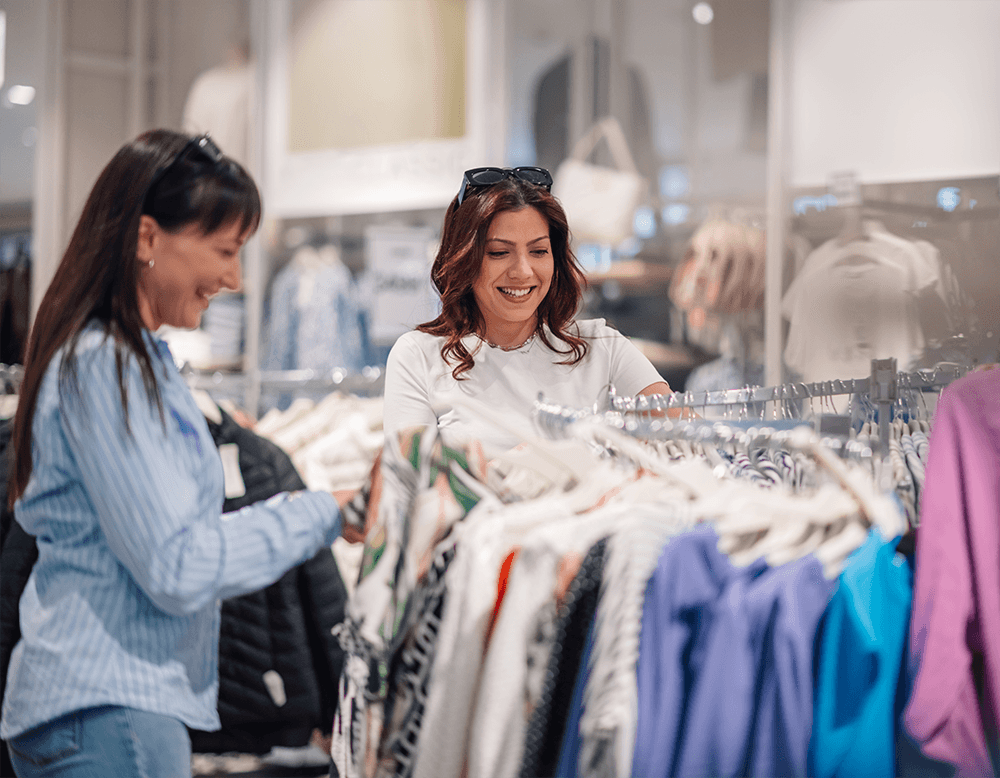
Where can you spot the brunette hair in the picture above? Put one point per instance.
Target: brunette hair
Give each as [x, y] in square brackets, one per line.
[98, 276]
[457, 264]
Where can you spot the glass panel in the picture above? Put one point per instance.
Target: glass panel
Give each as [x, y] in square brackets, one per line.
[687, 86]
[894, 206]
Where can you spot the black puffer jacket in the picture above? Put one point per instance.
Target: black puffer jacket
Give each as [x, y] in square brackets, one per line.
[279, 637]
[18, 553]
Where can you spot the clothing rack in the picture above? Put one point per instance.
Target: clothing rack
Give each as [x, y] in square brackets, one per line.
[883, 388]
[368, 382]
[884, 380]
[555, 420]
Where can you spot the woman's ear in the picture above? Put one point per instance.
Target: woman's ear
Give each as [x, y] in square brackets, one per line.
[148, 235]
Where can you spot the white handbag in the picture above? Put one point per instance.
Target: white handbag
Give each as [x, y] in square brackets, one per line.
[600, 202]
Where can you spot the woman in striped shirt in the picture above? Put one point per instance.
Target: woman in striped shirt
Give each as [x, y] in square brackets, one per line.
[116, 475]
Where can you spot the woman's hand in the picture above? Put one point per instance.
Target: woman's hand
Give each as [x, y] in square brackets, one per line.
[354, 503]
[352, 515]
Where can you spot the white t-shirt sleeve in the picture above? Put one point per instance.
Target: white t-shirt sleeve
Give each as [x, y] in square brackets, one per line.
[631, 372]
[407, 391]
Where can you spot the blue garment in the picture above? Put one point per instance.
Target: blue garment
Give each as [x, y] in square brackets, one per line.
[860, 663]
[725, 663]
[569, 753]
[749, 709]
[122, 606]
[322, 329]
[689, 578]
[99, 742]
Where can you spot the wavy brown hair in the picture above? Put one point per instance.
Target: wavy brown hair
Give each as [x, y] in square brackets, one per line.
[457, 264]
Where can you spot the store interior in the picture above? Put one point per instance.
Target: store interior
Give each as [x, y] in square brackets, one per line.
[736, 119]
[791, 207]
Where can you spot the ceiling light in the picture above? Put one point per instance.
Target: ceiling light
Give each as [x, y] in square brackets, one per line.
[703, 13]
[19, 94]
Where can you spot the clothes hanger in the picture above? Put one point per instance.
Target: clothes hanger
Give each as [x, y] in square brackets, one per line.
[207, 405]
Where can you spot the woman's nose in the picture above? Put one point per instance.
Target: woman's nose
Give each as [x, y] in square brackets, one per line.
[522, 265]
[233, 278]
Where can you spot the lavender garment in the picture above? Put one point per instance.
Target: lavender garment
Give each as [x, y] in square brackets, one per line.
[955, 625]
[690, 576]
[749, 711]
[725, 666]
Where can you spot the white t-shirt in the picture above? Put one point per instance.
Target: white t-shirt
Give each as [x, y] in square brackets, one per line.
[420, 389]
[857, 302]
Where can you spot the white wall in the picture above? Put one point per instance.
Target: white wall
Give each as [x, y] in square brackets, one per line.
[24, 63]
[894, 90]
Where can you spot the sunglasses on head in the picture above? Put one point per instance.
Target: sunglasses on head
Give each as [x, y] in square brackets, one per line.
[488, 176]
[199, 149]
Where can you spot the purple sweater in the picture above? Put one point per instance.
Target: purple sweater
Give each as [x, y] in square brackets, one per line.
[955, 625]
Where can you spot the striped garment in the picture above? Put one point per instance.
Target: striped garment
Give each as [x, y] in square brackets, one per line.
[122, 607]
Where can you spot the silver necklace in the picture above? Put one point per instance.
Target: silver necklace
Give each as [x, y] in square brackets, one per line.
[522, 344]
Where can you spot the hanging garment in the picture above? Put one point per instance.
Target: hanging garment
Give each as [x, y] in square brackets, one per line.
[954, 706]
[408, 675]
[417, 499]
[859, 666]
[548, 721]
[855, 302]
[278, 661]
[316, 321]
[607, 726]
[569, 750]
[15, 307]
[485, 539]
[18, 553]
[725, 666]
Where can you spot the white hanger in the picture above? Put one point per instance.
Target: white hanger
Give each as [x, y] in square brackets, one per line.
[207, 405]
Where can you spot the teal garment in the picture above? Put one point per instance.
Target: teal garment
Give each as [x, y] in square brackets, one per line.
[859, 665]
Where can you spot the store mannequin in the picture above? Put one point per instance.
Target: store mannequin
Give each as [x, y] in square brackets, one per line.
[220, 102]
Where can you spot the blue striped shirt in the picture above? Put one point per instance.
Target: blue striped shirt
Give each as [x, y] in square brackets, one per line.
[122, 606]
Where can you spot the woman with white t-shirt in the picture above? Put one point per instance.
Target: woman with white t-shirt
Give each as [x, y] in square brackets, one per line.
[510, 288]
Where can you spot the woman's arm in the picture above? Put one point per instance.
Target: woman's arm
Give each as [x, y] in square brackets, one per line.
[662, 387]
[150, 489]
[407, 396]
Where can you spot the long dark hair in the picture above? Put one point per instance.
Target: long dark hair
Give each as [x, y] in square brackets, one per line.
[460, 256]
[98, 276]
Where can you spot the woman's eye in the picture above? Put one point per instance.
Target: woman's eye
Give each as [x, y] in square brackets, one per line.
[497, 253]
[540, 252]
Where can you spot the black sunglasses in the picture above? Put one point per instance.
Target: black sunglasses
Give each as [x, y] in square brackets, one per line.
[488, 176]
[199, 149]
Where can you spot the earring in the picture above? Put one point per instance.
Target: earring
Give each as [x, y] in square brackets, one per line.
[151, 263]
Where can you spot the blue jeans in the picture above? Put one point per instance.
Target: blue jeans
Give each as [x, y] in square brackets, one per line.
[105, 741]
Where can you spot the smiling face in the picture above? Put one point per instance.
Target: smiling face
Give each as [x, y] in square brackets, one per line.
[189, 268]
[515, 275]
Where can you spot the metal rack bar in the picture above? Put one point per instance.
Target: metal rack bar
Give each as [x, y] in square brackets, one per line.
[937, 377]
[368, 381]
